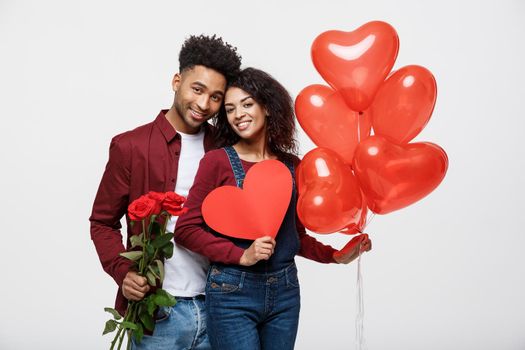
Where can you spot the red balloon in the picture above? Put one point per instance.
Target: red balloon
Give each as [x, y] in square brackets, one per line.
[404, 103]
[329, 122]
[359, 226]
[329, 194]
[356, 63]
[394, 176]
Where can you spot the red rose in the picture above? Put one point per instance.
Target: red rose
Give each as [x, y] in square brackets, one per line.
[143, 207]
[158, 196]
[173, 204]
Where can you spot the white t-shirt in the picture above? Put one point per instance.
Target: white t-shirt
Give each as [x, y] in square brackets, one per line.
[185, 271]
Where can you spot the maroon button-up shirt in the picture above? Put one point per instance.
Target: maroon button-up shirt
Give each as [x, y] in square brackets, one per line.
[141, 160]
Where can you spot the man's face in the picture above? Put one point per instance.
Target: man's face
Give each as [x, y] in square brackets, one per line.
[199, 94]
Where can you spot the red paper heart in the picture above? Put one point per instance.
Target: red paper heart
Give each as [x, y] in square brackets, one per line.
[394, 176]
[329, 122]
[356, 63]
[256, 210]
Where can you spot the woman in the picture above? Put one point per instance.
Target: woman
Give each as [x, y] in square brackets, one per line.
[252, 291]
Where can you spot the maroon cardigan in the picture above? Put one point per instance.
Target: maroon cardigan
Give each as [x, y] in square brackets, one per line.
[141, 160]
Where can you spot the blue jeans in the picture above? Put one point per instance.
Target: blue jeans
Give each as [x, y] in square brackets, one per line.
[247, 310]
[181, 327]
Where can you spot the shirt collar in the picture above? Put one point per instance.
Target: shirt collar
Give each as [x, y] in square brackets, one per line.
[170, 133]
[165, 127]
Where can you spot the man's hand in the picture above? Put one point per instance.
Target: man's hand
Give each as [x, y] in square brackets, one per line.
[134, 286]
[351, 250]
[261, 249]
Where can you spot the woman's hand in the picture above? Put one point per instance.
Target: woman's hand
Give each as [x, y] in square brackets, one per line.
[351, 250]
[261, 249]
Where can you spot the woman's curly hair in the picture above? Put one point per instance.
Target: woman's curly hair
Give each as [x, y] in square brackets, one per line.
[272, 96]
[211, 52]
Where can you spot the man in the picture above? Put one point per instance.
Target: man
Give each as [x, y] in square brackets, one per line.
[164, 156]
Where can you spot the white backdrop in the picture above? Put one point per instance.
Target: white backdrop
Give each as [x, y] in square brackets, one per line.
[445, 273]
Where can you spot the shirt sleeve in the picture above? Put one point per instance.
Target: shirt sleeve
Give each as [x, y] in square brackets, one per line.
[109, 207]
[191, 230]
[311, 248]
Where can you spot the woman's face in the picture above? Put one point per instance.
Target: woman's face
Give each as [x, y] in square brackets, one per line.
[246, 117]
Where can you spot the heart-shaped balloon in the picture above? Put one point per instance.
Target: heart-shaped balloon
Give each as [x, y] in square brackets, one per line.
[356, 63]
[329, 122]
[404, 103]
[394, 176]
[329, 195]
[256, 210]
[359, 226]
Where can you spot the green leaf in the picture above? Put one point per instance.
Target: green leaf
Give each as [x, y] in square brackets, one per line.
[111, 325]
[129, 325]
[152, 270]
[163, 298]
[136, 240]
[139, 333]
[167, 251]
[133, 255]
[150, 303]
[150, 250]
[161, 240]
[114, 312]
[160, 266]
[151, 278]
[147, 321]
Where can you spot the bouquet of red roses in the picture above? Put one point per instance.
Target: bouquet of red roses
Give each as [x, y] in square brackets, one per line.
[148, 251]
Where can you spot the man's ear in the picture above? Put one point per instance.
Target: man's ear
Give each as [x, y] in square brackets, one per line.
[175, 83]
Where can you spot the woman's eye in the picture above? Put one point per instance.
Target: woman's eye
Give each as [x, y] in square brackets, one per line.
[229, 110]
[247, 105]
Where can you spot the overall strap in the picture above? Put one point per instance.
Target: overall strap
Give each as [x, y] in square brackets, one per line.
[236, 165]
[290, 166]
[238, 170]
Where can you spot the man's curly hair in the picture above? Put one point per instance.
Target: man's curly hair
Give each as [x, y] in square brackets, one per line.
[270, 94]
[211, 52]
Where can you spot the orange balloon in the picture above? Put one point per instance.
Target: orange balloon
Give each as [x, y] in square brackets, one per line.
[329, 122]
[329, 195]
[404, 103]
[394, 176]
[356, 63]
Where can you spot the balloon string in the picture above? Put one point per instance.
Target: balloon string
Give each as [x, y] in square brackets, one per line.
[359, 323]
[367, 221]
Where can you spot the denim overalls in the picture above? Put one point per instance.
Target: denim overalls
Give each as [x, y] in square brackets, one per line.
[256, 307]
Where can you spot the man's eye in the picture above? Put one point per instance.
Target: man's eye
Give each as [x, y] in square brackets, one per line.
[216, 98]
[196, 89]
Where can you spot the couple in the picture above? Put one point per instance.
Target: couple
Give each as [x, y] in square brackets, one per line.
[251, 287]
